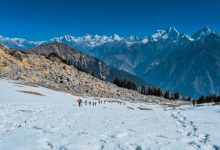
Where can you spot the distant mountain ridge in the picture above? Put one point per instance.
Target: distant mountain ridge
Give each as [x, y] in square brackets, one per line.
[193, 69]
[83, 43]
[140, 56]
[18, 43]
[89, 42]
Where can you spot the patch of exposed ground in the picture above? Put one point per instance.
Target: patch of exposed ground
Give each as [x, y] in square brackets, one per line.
[31, 92]
[143, 108]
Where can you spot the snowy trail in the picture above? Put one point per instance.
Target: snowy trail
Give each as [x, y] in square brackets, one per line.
[54, 121]
[192, 135]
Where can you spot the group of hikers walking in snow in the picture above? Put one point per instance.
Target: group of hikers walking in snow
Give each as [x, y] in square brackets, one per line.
[79, 101]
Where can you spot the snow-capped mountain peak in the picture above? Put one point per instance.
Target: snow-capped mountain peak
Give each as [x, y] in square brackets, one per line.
[116, 37]
[133, 38]
[170, 33]
[18, 43]
[83, 42]
[202, 33]
[172, 29]
[144, 40]
[206, 30]
[158, 34]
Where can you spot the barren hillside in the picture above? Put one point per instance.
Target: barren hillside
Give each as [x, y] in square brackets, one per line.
[53, 73]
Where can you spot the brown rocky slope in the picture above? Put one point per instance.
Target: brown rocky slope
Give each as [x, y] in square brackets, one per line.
[53, 73]
[84, 62]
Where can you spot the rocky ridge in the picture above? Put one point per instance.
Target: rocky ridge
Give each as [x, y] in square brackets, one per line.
[52, 73]
[84, 62]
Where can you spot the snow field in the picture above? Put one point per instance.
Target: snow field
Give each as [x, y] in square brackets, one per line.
[53, 120]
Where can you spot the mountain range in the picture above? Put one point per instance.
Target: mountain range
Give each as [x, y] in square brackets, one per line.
[168, 58]
[84, 62]
[193, 69]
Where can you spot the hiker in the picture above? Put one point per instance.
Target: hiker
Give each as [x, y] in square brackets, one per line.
[89, 103]
[85, 102]
[194, 102]
[79, 102]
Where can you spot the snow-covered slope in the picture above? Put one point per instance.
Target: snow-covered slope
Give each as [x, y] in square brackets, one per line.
[37, 118]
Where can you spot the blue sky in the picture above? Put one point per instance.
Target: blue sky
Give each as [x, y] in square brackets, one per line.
[44, 19]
